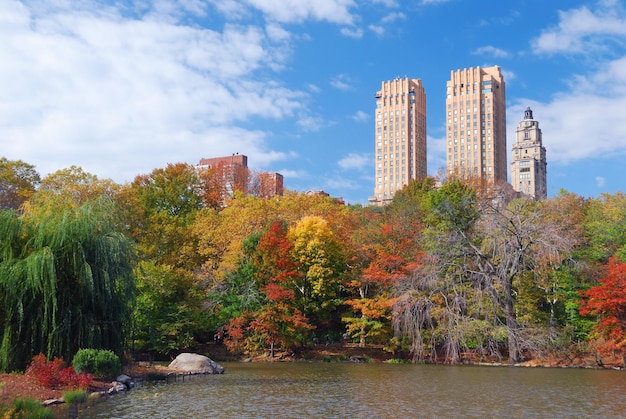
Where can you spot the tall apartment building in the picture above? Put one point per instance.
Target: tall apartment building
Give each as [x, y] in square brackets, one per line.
[400, 137]
[528, 162]
[476, 124]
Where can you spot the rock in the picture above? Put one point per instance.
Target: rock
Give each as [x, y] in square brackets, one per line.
[117, 387]
[195, 364]
[126, 380]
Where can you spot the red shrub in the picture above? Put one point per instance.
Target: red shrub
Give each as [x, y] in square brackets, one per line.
[53, 374]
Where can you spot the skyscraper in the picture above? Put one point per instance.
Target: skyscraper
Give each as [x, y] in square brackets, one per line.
[476, 124]
[528, 161]
[400, 136]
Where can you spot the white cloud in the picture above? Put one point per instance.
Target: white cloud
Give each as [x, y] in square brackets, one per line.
[388, 3]
[342, 184]
[377, 29]
[583, 30]
[508, 76]
[391, 17]
[313, 88]
[310, 123]
[361, 116]
[342, 82]
[355, 33]
[116, 104]
[290, 11]
[294, 174]
[586, 122]
[492, 51]
[355, 161]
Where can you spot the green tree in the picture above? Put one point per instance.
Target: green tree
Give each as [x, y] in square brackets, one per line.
[168, 315]
[65, 282]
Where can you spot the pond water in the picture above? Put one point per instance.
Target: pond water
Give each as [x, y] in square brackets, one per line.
[344, 390]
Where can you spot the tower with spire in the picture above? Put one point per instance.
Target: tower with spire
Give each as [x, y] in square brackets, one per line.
[528, 160]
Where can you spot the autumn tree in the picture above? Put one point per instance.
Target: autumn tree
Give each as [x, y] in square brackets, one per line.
[74, 187]
[607, 301]
[211, 186]
[277, 321]
[160, 209]
[385, 247]
[604, 226]
[481, 247]
[239, 293]
[18, 182]
[320, 262]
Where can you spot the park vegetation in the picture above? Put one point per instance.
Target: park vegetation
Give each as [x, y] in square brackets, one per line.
[451, 271]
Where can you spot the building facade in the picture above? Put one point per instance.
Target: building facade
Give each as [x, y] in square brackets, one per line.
[232, 174]
[476, 124]
[400, 137]
[270, 184]
[529, 168]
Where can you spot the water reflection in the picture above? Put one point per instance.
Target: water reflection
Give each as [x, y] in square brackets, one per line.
[331, 390]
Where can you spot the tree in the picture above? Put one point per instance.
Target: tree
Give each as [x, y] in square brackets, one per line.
[604, 228]
[384, 247]
[320, 262]
[65, 282]
[277, 321]
[168, 314]
[608, 301]
[74, 187]
[488, 244]
[18, 182]
[160, 210]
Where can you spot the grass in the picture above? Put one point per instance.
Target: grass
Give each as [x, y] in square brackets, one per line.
[75, 396]
[29, 408]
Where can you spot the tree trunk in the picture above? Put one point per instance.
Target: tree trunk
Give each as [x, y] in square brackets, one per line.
[511, 325]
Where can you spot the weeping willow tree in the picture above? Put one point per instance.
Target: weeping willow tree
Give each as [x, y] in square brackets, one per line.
[65, 282]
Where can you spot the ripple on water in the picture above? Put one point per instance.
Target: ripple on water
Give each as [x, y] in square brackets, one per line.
[327, 390]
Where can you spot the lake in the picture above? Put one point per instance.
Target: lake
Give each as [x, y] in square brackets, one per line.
[346, 390]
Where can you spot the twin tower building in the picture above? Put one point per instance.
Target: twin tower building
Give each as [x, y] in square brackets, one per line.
[475, 135]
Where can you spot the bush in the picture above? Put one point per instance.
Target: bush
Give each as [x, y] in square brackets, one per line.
[99, 362]
[54, 374]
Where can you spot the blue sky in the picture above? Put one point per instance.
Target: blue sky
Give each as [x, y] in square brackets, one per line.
[120, 88]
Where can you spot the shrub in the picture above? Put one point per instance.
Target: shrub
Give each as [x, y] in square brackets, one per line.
[99, 362]
[53, 374]
[47, 373]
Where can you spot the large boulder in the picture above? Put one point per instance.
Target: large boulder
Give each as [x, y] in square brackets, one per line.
[195, 364]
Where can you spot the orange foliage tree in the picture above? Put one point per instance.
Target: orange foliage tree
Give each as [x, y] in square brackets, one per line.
[384, 249]
[608, 301]
[278, 322]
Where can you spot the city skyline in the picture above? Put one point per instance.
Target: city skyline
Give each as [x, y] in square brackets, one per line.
[122, 88]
